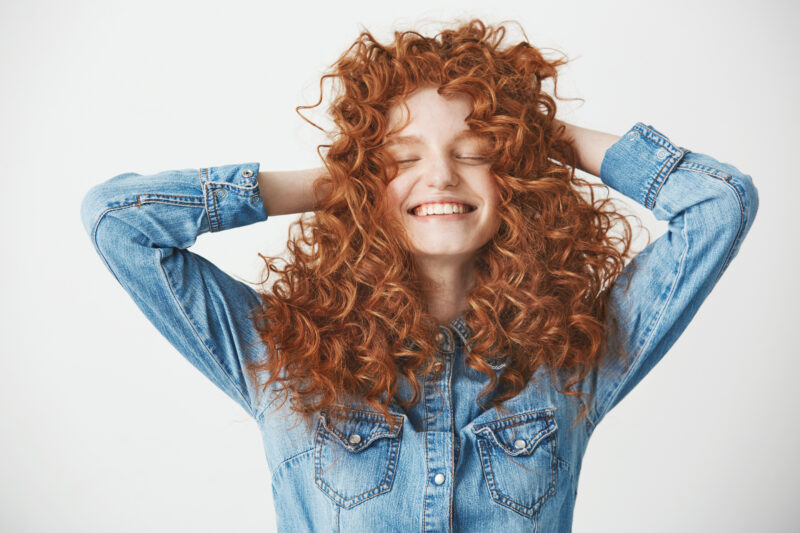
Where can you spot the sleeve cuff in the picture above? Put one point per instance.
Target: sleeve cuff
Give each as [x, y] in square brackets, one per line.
[232, 196]
[638, 164]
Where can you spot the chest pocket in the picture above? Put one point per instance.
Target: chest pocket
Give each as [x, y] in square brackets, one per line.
[355, 455]
[519, 459]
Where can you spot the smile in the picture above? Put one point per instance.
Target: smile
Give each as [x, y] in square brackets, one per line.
[441, 209]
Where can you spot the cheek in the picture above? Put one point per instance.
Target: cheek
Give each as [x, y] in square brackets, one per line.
[492, 193]
[396, 192]
[393, 199]
[493, 198]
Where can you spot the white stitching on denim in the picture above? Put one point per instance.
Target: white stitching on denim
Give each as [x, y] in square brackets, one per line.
[654, 324]
[197, 334]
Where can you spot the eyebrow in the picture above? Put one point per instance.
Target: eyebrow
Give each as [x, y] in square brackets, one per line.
[414, 139]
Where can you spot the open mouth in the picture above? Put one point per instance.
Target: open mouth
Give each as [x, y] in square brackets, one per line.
[434, 210]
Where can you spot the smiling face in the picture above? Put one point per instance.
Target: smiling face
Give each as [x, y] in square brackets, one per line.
[441, 169]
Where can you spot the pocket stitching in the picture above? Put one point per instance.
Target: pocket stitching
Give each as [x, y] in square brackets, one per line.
[363, 416]
[490, 427]
[485, 444]
[323, 435]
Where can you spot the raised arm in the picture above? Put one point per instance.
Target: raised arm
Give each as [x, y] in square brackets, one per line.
[710, 207]
[142, 226]
[591, 146]
[288, 191]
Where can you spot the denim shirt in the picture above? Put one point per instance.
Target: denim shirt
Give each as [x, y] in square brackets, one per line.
[448, 465]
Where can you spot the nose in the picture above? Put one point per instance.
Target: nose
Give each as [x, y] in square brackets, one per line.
[441, 172]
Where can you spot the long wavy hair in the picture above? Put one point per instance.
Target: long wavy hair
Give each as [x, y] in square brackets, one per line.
[347, 313]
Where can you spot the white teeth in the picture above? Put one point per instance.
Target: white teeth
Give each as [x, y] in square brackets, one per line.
[440, 209]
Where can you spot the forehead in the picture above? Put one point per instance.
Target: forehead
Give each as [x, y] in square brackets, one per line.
[427, 105]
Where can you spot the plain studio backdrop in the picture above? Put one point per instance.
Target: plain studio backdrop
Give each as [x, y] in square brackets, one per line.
[105, 427]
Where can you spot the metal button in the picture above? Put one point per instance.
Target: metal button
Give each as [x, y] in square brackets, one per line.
[633, 135]
[247, 173]
[519, 444]
[440, 337]
[661, 153]
[355, 438]
[220, 193]
[254, 199]
[438, 479]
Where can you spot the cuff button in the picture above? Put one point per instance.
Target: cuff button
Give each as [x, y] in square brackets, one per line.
[661, 153]
[247, 173]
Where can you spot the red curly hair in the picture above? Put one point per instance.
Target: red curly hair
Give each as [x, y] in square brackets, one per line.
[347, 314]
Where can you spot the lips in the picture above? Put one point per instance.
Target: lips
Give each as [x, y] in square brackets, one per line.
[428, 211]
[431, 202]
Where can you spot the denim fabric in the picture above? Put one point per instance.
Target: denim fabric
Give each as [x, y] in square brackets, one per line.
[448, 465]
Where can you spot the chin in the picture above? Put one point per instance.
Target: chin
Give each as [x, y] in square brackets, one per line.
[439, 251]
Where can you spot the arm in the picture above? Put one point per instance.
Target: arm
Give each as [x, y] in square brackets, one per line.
[142, 227]
[710, 207]
[591, 146]
[289, 192]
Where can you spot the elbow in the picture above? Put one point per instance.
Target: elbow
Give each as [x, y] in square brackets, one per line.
[100, 199]
[746, 207]
[93, 205]
[748, 200]
[751, 198]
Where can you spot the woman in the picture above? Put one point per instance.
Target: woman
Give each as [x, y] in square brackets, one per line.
[457, 315]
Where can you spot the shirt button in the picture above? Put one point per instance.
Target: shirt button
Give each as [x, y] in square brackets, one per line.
[632, 135]
[220, 193]
[661, 153]
[439, 337]
[247, 173]
[519, 444]
[355, 438]
[438, 479]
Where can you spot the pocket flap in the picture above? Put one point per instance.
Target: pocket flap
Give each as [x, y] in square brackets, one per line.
[356, 429]
[519, 434]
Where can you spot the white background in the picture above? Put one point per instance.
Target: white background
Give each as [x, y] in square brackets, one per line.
[106, 428]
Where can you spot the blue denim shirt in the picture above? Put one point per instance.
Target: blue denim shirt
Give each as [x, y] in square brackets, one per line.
[448, 465]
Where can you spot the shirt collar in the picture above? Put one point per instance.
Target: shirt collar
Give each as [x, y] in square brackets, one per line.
[462, 328]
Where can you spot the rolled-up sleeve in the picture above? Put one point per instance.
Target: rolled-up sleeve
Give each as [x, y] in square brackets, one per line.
[142, 226]
[710, 207]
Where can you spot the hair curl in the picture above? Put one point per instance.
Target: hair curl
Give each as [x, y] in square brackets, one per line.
[347, 314]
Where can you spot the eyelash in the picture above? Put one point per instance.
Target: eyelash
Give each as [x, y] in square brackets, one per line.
[470, 158]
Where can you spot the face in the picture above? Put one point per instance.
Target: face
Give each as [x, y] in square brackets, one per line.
[442, 168]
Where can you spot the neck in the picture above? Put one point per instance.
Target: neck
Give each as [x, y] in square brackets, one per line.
[447, 287]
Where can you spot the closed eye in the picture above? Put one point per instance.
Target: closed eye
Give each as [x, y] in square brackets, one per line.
[472, 158]
[469, 158]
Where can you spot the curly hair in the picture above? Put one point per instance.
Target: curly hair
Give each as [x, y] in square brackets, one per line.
[346, 315]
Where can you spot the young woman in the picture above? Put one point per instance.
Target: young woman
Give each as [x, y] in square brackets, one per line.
[457, 314]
